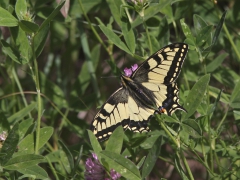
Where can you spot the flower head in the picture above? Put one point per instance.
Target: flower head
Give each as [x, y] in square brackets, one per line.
[128, 71]
[95, 171]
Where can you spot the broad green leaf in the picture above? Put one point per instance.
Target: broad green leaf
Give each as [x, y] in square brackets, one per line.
[121, 164]
[26, 146]
[13, 53]
[24, 127]
[195, 96]
[28, 27]
[203, 35]
[70, 161]
[94, 142]
[22, 43]
[169, 119]
[127, 31]
[192, 128]
[9, 145]
[114, 7]
[236, 115]
[216, 62]
[199, 23]
[187, 32]
[152, 158]
[7, 19]
[218, 28]
[36, 171]
[114, 38]
[22, 113]
[21, 9]
[23, 161]
[45, 135]
[116, 140]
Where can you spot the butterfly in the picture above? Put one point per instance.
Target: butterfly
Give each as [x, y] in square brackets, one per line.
[147, 89]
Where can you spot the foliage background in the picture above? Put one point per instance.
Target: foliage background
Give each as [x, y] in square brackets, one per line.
[71, 62]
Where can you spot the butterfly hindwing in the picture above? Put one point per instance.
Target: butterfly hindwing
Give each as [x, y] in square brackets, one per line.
[117, 111]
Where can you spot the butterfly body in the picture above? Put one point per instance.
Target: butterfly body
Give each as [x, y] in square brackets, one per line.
[150, 89]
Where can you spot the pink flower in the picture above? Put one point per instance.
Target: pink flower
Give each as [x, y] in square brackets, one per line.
[95, 171]
[128, 71]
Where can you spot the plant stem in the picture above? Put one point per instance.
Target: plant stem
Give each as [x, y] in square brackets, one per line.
[186, 165]
[39, 100]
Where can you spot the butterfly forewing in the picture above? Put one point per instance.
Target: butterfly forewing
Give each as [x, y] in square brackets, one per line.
[164, 66]
[150, 89]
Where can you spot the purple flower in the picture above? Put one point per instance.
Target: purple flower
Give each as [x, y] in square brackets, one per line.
[128, 71]
[95, 171]
[115, 175]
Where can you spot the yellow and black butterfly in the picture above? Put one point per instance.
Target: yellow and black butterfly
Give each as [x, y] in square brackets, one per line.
[150, 89]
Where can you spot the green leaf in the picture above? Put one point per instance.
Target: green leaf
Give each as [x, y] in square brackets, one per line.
[22, 113]
[218, 28]
[70, 161]
[192, 128]
[24, 127]
[121, 164]
[127, 31]
[236, 115]
[94, 142]
[4, 125]
[52, 90]
[9, 145]
[203, 35]
[169, 119]
[28, 27]
[195, 96]
[199, 23]
[152, 158]
[36, 171]
[150, 12]
[116, 140]
[235, 97]
[21, 9]
[84, 77]
[24, 161]
[26, 146]
[114, 7]
[187, 32]
[13, 53]
[22, 43]
[7, 19]
[40, 40]
[114, 38]
[225, 98]
[216, 62]
[45, 135]
[52, 15]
